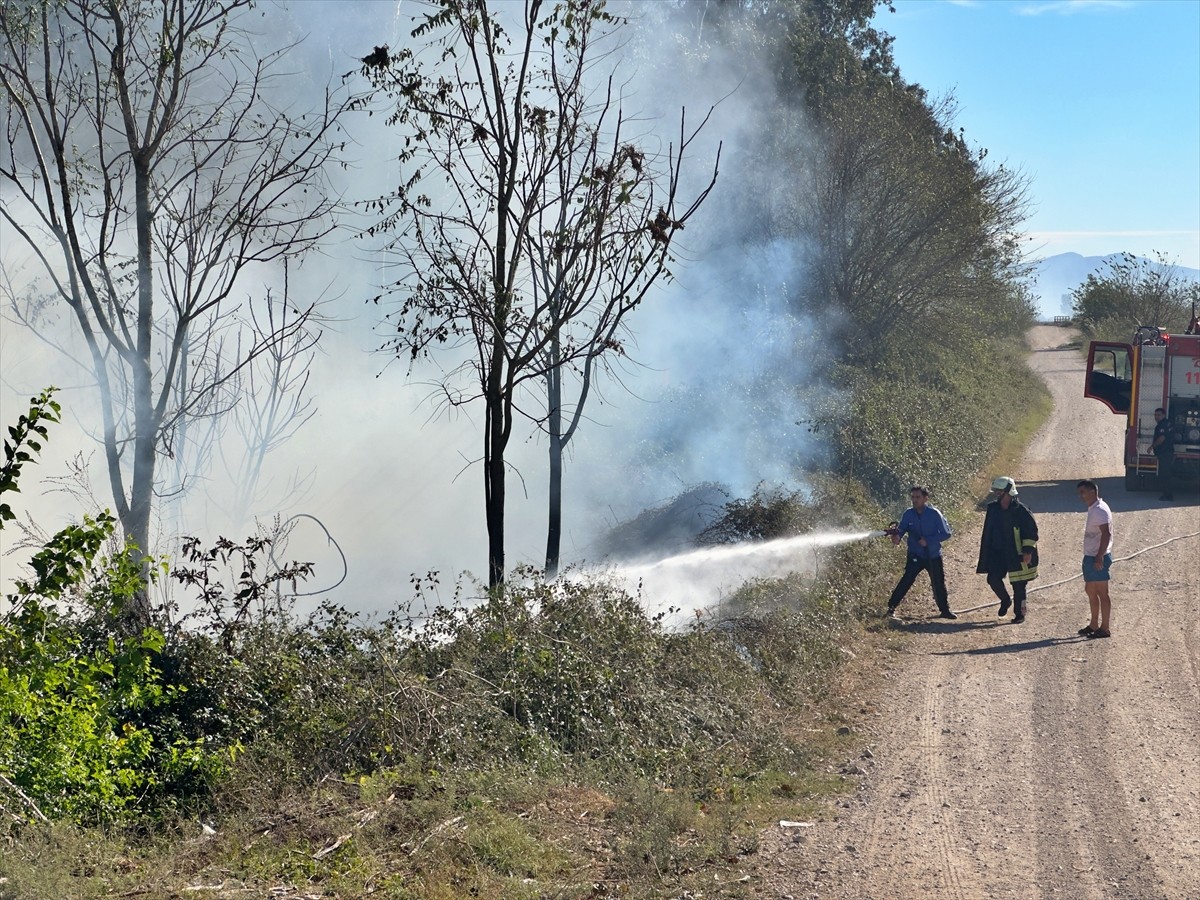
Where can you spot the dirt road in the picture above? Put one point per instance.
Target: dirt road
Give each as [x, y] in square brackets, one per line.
[1023, 760]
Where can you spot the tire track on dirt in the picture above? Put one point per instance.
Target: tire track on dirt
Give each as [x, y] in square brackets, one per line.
[932, 732]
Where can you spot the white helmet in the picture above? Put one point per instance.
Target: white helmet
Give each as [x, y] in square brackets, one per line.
[1004, 485]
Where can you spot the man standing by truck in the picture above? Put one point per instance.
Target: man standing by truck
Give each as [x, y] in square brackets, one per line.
[1163, 446]
[926, 529]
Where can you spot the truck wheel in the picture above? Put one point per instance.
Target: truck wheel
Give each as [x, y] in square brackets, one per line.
[1133, 479]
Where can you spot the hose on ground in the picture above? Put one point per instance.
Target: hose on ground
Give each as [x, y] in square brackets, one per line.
[1043, 587]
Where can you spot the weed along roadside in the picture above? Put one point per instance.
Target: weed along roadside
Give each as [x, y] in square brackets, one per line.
[557, 739]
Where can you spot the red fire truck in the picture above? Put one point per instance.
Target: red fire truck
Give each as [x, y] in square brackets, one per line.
[1155, 369]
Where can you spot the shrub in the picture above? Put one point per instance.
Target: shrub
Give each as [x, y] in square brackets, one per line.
[76, 691]
[75, 700]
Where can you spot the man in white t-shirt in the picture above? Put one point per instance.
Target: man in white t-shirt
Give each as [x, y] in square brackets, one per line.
[1097, 559]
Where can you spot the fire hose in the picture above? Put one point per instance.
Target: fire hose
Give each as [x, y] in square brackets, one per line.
[893, 529]
[1043, 587]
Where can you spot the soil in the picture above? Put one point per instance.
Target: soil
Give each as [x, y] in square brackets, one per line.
[1005, 760]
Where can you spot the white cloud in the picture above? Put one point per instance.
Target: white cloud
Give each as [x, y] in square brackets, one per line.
[1069, 7]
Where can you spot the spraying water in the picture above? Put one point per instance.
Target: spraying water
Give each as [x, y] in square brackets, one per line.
[696, 581]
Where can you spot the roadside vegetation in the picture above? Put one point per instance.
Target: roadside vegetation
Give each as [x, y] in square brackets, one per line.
[553, 740]
[1131, 292]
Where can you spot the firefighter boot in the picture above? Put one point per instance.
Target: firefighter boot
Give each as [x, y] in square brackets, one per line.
[1019, 612]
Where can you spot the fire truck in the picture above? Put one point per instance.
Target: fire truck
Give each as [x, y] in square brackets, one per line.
[1155, 369]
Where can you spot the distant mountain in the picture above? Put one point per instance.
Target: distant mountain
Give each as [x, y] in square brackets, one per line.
[1055, 277]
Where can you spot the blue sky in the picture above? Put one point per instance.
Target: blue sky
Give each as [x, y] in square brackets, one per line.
[1098, 101]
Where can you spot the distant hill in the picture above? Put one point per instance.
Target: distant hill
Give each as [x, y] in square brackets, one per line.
[1055, 277]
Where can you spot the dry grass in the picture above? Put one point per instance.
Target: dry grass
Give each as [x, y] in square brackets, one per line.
[490, 829]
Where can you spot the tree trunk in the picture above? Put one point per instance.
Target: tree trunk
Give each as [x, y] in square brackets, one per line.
[495, 438]
[554, 427]
[141, 496]
[493, 476]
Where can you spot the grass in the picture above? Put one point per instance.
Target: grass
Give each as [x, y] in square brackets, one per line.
[512, 840]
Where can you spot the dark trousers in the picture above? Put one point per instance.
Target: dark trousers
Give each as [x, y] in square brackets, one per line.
[996, 583]
[937, 578]
[1165, 464]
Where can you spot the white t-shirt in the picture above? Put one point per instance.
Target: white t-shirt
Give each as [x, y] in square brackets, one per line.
[1098, 514]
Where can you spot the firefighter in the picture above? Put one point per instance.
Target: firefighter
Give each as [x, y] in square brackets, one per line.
[926, 529]
[1008, 547]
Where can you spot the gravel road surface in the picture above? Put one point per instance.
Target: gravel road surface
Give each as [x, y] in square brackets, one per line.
[1005, 760]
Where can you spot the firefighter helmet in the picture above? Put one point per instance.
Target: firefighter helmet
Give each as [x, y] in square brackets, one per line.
[1004, 485]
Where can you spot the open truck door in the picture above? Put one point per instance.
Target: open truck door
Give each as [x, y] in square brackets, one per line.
[1110, 375]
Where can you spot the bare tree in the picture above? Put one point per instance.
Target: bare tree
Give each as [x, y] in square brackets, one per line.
[267, 401]
[549, 225]
[274, 405]
[147, 173]
[599, 246]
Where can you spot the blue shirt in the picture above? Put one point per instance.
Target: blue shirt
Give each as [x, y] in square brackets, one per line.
[929, 524]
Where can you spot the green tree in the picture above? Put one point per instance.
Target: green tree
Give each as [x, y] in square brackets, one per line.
[901, 240]
[1130, 292]
[909, 224]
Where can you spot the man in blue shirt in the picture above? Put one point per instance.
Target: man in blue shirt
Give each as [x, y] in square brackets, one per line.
[926, 529]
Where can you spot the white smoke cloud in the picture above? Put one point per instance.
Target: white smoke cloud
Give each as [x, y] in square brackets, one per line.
[397, 484]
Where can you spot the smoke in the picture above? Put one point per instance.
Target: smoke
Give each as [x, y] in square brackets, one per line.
[713, 393]
[725, 360]
[720, 399]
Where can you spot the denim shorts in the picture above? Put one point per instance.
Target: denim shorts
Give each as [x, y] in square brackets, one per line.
[1090, 573]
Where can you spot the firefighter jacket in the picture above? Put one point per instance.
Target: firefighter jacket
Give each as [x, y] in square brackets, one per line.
[1011, 532]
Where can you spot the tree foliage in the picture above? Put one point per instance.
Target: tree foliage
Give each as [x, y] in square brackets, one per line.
[23, 441]
[78, 695]
[903, 267]
[1131, 292]
[910, 227]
